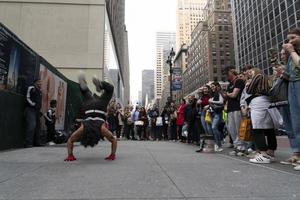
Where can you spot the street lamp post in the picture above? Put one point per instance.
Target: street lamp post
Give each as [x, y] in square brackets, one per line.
[170, 62]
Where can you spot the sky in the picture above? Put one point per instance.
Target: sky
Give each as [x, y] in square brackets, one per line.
[143, 19]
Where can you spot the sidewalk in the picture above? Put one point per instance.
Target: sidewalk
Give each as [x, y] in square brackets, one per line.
[143, 170]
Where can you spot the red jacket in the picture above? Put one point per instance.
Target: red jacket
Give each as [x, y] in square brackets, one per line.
[180, 115]
[205, 100]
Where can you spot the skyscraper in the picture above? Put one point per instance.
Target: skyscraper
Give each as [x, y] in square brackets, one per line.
[211, 49]
[164, 42]
[189, 13]
[147, 86]
[260, 26]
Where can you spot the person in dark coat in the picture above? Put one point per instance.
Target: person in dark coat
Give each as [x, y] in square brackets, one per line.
[190, 117]
[32, 114]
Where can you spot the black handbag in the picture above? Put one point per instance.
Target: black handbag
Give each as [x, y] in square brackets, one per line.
[279, 91]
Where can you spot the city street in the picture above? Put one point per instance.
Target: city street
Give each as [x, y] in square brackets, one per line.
[143, 170]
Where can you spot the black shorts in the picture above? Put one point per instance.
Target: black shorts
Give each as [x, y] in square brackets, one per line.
[91, 133]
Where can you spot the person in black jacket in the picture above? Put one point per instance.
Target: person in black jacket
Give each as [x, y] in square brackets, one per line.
[50, 119]
[190, 117]
[93, 126]
[32, 114]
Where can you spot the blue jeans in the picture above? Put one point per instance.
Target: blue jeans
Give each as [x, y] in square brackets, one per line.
[294, 101]
[206, 127]
[215, 124]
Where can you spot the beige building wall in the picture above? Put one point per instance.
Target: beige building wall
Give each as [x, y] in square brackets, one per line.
[67, 33]
[189, 13]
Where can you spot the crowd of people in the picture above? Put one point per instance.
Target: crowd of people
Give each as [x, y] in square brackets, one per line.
[247, 110]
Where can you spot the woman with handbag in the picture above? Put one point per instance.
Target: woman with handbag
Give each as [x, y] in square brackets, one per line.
[261, 118]
[293, 70]
[217, 105]
[204, 101]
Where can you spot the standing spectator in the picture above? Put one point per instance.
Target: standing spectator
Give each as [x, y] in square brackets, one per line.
[166, 114]
[262, 121]
[217, 105]
[142, 129]
[285, 112]
[233, 95]
[128, 124]
[190, 117]
[120, 123]
[112, 117]
[180, 119]
[293, 70]
[135, 118]
[173, 118]
[32, 114]
[153, 114]
[50, 120]
[204, 101]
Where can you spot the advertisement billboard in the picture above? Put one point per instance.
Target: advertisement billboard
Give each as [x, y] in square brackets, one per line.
[53, 88]
[18, 63]
[177, 79]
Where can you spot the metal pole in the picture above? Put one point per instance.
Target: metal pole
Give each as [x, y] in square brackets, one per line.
[171, 72]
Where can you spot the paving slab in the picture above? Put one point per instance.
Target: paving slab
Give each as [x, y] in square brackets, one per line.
[143, 170]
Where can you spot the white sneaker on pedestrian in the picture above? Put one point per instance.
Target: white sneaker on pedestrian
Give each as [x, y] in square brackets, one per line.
[260, 159]
[216, 148]
[297, 168]
[220, 149]
[233, 153]
[51, 144]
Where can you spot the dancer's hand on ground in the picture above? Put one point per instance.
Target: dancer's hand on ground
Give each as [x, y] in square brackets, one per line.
[70, 158]
[111, 157]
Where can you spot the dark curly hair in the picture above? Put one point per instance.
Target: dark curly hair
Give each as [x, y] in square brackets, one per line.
[91, 135]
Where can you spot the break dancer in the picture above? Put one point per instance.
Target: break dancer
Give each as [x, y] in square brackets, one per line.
[93, 125]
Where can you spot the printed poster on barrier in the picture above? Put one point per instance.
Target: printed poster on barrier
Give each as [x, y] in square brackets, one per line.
[53, 88]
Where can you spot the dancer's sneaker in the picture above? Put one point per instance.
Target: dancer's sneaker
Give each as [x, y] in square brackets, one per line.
[219, 149]
[97, 83]
[82, 81]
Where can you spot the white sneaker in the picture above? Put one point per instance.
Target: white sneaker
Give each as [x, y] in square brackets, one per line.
[216, 148]
[51, 143]
[297, 168]
[220, 149]
[260, 159]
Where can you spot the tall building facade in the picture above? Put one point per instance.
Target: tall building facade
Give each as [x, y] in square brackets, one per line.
[147, 86]
[211, 49]
[72, 35]
[164, 42]
[116, 16]
[189, 13]
[260, 26]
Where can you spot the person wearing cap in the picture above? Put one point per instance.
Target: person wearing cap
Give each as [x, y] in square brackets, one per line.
[32, 114]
